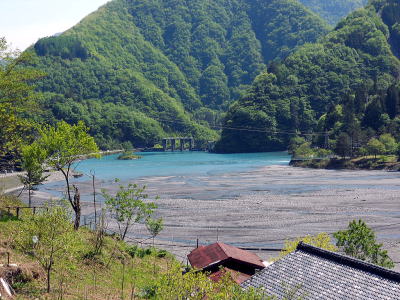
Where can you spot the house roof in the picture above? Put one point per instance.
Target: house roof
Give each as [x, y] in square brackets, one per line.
[205, 256]
[322, 274]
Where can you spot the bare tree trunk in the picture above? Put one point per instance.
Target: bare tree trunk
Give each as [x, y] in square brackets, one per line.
[29, 195]
[76, 204]
[48, 278]
[66, 176]
[128, 223]
[77, 208]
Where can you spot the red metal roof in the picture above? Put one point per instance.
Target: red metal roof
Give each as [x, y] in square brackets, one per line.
[205, 256]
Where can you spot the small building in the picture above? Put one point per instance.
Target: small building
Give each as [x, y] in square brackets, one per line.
[241, 264]
[321, 274]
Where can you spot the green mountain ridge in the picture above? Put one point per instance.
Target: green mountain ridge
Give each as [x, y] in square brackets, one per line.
[334, 10]
[135, 71]
[347, 82]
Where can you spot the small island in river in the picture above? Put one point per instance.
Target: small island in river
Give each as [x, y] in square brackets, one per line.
[128, 156]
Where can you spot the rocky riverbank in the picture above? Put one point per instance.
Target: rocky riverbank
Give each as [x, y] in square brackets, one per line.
[361, 163]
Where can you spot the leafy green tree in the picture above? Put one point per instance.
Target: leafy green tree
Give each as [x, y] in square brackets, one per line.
[321, 240]
[389, 143]
[63, 145]
[129, 206]
[392, 100]
[372, 116]
[295, 143]
[304, 151]
[213, 86]
[154, 226]
[16, 96]
[375, 147]
[173, 284]
[33, 157]
[359, 242]
[343, 145]
[49, 238]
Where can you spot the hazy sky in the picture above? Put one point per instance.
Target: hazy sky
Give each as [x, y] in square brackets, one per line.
[23, 22]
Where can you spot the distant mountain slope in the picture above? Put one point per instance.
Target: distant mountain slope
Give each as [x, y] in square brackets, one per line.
[348, 82]
[334, 10]
[137, 70]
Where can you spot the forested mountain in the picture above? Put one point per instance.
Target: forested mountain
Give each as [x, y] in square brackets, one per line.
[346, 83]
[333, 10]
[137, 70]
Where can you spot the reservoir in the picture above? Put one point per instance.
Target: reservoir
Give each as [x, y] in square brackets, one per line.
[179, 163]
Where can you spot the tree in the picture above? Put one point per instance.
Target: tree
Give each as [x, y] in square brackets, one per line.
[16, 95]
[343, 145]
[359, 242]
[389, 143]
[304, 151]
[33, 157]
[174, 284]
[63, 145]
[49, 237]
[375, 147]
[154, 226]
[321, 240]
[129, 206]
[294, 143]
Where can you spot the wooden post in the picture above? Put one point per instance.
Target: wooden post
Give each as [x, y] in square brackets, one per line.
[123, 280]
[17, 211]
[197, 243]
[94, 198]
[8, 259]
[34, 210]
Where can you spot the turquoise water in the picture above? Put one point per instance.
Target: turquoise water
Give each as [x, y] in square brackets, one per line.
[179, 163]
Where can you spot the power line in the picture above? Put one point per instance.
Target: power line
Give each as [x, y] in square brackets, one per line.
[252, 129]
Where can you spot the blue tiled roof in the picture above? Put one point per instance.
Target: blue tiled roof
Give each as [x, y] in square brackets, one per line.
[322, 274]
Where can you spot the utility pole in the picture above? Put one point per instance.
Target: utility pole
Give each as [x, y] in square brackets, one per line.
[326, 144]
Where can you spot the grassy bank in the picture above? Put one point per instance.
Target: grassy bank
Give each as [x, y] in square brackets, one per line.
[94, 265]
[384, 162]
[118, 271]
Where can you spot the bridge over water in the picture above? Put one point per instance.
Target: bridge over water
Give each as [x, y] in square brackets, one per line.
[171, 142]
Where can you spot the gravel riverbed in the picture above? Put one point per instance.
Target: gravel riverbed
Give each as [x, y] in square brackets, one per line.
[264, 207]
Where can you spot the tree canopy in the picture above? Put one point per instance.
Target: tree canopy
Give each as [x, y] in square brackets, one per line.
[345, 83]
[16, 96]
[135, 71]
[61, 146]
[359, 241]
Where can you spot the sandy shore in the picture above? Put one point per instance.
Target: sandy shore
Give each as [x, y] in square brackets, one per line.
[54, 176]
[264, 207]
